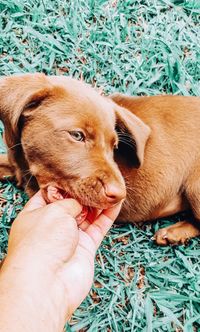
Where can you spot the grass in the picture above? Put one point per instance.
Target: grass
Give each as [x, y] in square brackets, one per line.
[133, 46]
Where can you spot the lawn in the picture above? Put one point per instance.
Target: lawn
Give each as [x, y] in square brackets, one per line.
[141, 47]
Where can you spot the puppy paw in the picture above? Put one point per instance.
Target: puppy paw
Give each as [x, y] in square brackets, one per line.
[178, 233]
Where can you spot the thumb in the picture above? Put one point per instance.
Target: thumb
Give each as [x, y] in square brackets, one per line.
[69, 206]
[36, 202]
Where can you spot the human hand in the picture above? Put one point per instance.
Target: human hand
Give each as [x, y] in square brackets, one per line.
[54, 258]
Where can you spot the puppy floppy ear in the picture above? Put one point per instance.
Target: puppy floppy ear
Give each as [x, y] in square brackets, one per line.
[133, 134]
[18, 94]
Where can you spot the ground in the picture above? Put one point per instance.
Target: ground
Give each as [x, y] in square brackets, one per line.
[141, 47]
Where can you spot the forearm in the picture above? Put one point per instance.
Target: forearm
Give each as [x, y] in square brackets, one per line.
[26, 303]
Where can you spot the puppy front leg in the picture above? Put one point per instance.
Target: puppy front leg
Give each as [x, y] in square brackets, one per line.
[5, 168]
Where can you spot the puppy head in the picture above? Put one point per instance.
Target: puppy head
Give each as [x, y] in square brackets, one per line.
[68, 135]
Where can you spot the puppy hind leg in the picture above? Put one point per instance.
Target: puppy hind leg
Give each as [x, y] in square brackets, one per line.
[182, 231]
[179, 233]
[6, 170]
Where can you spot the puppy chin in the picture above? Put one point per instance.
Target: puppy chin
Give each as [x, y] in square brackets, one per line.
[52, 194]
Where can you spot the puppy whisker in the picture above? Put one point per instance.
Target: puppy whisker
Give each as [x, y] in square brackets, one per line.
[14, 146]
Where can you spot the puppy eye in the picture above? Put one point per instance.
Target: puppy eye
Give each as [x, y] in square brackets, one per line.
[77, 136]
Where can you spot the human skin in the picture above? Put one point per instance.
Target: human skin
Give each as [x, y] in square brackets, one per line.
[49, 267]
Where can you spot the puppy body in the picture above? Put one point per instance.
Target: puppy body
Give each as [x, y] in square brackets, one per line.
[172, 155]
[168, 181]
[158, 148]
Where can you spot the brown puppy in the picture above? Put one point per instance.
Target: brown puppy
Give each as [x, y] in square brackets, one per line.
[61, 137]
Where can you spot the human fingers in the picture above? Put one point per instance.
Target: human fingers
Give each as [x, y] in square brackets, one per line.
[99, 228]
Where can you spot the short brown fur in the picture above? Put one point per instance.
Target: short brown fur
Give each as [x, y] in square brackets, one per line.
[158, 154]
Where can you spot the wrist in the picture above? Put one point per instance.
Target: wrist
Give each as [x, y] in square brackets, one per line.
[34, 297]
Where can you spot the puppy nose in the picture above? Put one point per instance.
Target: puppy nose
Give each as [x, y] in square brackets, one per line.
[114, 193]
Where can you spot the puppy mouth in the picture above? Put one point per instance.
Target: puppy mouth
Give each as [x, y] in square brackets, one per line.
[53, 194]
